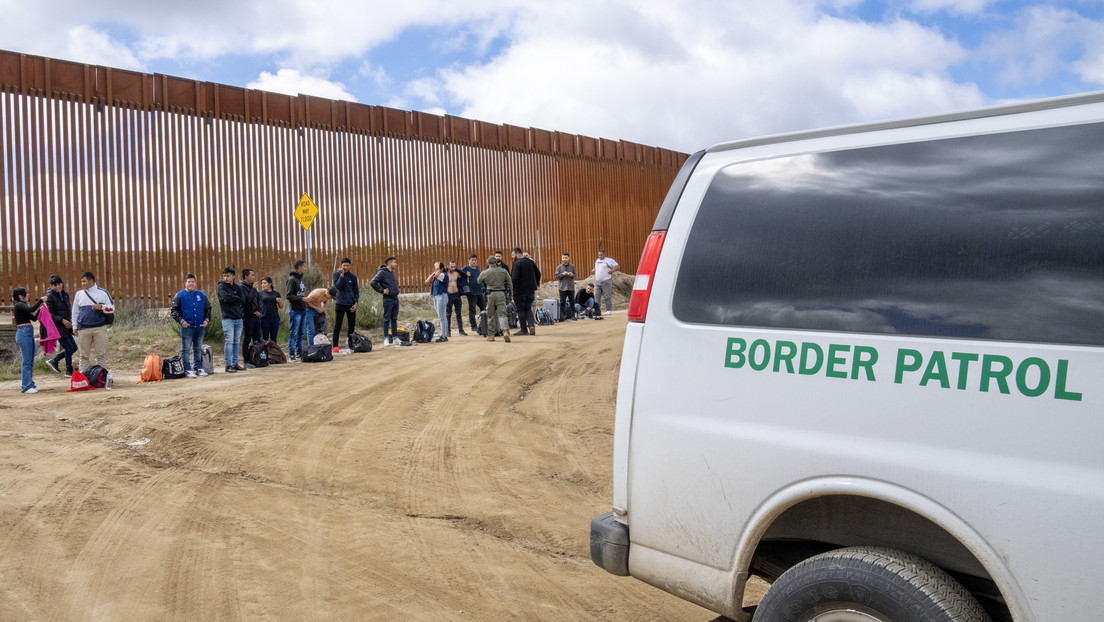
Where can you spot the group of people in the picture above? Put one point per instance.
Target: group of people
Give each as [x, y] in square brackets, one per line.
[251, 313]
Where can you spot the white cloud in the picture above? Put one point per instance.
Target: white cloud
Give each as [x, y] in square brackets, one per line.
[964, 7]
[1036, 47]
[291, 82]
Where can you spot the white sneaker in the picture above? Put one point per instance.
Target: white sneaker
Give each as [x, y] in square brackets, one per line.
[32, 390]
[386, 341]
[189, 374]
[202, 372]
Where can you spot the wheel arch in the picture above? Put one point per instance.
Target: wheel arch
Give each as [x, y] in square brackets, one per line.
[815, 515]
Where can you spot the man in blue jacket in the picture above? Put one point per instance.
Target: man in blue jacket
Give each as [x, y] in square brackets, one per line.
[191, 309]
[387, 284]
[473, 289]
[345, 303]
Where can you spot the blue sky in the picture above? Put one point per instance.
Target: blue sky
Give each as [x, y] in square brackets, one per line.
[670, 73]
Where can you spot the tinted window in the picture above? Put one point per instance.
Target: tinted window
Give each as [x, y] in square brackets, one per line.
[996, 237]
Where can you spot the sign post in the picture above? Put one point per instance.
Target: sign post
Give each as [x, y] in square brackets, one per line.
[305, 213]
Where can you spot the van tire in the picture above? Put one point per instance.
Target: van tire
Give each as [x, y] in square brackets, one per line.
[868, 584]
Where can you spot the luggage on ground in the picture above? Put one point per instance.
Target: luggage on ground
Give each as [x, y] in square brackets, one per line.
[151, 369]
[403, 335]
[258, 354]
[208, 359]
[321, 340]
[171, 368]
[482, 324]
[97, 376]
[276, 356]
[511, 315]
[317, 353]
[359, 343]
[78, 382]
[551, 307]
[423, 331]
[545, 318]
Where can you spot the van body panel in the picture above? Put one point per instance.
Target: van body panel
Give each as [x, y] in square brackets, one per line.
[990, 429]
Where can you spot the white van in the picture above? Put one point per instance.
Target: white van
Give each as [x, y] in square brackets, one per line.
[867, 364]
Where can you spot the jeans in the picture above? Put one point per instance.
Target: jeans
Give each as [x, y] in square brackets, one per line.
[24, 336]
[295, 332]
[440, 302]
[456, 301]
[270, 328]
[191, 338]
[341, 312]
[232, 329]
[474, 300]
[308, 325]
[68, 349]
[390, 316]
[588, 309]
[603, 290]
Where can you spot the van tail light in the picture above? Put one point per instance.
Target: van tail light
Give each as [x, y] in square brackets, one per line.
[642, 286]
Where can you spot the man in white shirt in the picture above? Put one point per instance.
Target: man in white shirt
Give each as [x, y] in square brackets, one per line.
[604, 268]
[91, 307]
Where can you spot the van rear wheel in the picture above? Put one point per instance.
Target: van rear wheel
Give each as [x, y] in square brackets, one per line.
[868, 584]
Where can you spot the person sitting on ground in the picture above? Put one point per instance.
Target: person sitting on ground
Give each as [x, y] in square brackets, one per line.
[586, 305]
[316, 306]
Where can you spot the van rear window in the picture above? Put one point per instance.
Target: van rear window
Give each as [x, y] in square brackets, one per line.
[993, 237]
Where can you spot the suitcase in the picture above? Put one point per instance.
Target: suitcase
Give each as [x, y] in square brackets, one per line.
[551, 307]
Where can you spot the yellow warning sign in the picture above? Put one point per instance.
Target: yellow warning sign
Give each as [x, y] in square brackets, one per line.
[306, 211]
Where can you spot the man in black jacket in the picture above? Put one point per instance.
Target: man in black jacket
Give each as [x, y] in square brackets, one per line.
[387, 284]
[231, 302]
[297, 310]
[345, 303]
[57, 302]
[526, 277]
[251, 309]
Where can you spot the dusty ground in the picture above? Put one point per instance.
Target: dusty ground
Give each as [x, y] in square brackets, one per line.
[438, 482]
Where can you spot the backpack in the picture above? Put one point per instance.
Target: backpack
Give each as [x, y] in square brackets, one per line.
[258, 354]
[423, 331]
[403, 335]
[482, 324]
[97, 376]
[78, 382]
[317, 354]
[322, 340]
[276, 356]
[208, 359]
[545, 318]
[172, 368]
[151, 369]
[511, 315]
[360, 343]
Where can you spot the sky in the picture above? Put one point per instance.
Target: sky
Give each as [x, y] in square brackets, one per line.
[669, 73]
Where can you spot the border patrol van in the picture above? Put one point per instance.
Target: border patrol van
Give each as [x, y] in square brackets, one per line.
[867, 364]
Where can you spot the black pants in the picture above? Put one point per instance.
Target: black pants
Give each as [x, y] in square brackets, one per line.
[340, 312]
[474, 300]
[455, 301]
[567, 309]
[251, 331]
[524, 304]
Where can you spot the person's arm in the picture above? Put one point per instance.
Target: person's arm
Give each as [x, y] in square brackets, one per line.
[613, 265]
[279, 302]
[356, 293]
[75, 310]
[176, 312]
[377, 283]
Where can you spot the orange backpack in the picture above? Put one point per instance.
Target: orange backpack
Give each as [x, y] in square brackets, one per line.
[151, 369]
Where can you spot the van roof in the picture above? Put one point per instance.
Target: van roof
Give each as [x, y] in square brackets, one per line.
[978, 113]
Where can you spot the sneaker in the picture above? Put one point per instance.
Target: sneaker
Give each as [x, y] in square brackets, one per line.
[490, 337]
[32, 390]
[518, 334]
[386, 341]
[291, 358]
[202, 372]
[189, 374]
[462, 333]
[52, 364]
[238, 367]
[533, 330]
[68, 374]
[336, 350]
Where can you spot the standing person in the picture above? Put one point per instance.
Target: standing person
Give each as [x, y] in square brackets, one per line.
[251, 309]
[316, 307]
[297, 311]
[497, 284]
[232, 304]
[565, 274]
[270, 310]
[456, 280]
[61, 310]
[501, 260]
[526, 278]
[23, 315]
[387, 284]
[191, 309]
[604, 268]
[90, 306]
[345, 302]
[473, 290]
[438, 282]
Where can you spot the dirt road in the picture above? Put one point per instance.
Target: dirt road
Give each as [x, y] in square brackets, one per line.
[439, 482]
